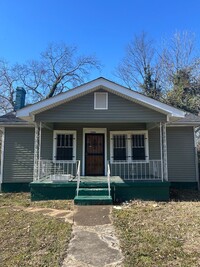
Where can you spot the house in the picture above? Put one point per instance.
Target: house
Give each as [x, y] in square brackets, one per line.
[99, 138]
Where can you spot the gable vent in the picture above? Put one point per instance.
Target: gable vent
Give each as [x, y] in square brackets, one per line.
[100, 100]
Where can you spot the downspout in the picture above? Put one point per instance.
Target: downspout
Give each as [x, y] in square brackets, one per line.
[2, 155]
[196, 158]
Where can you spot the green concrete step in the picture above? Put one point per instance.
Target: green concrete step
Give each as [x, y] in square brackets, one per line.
[93, 200]
[93, 192]
[93, 185]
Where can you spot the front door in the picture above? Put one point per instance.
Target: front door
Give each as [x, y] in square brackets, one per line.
[94, 154]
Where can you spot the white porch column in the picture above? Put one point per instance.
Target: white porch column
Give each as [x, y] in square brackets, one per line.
[37, 151]
[165, 165]
[161, 150]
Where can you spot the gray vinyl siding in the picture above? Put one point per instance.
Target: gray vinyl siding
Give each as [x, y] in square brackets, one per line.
[18, 155]
[181, 154]
[119, 110]
[154, 144]
[46, 144]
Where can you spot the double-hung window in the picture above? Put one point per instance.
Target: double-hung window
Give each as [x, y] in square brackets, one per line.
[64, 145]
[138, 147]
[119, 147]
[129, 146]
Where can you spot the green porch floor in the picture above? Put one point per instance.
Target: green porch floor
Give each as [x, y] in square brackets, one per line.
[85, 179]
[120, 190]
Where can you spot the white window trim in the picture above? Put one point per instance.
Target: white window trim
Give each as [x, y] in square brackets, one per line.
[94, 131]
[95, 100]
[55, 142]
[129, 150]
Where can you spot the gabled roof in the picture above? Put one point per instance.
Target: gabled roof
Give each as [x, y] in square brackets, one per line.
[28, 112]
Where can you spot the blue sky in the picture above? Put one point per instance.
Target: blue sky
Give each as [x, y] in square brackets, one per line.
[98, 27]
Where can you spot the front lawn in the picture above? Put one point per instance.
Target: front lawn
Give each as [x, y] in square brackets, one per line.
[31, 239]
[24, 199]
[157, 234]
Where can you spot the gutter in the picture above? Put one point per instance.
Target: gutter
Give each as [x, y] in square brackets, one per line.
[15, 124]
[184, 124]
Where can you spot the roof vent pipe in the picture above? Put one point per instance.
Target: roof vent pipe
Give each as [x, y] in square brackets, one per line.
[20, 98]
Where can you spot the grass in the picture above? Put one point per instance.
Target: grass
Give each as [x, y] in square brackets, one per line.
[160, 234]
[31, 239]
[24, 200]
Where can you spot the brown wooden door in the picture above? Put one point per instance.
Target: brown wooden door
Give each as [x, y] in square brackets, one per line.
[94, 154]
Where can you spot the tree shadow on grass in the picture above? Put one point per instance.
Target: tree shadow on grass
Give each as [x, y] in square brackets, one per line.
[184, 195]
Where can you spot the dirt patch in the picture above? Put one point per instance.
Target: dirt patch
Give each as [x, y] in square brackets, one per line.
[191, 244]
[92, 215]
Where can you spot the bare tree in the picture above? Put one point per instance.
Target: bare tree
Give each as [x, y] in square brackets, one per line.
[58, 69]
[181, 71]
[179, 53]
[139, 68]
[139, 57]
[170, 74]
[8, 79]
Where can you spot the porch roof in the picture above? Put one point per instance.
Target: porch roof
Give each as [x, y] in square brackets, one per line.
[28, 113]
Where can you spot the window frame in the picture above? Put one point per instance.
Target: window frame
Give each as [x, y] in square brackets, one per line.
[95, 100]
[129, 145]
[66, 132]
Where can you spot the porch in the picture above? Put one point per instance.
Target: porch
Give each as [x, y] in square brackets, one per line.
[62, 180]
[88, 156]
[94, 190]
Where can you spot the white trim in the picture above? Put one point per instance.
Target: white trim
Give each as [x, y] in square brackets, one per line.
[35, 169]
[196, 159]
[165, 160]
[39, 149]
[99, 83]
[2, 155]
[95, 100]
[129, 133]
[73, 132]
[93, 131]
[161, 150]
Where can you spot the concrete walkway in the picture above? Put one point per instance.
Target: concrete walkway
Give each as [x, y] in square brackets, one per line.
[93, 243]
